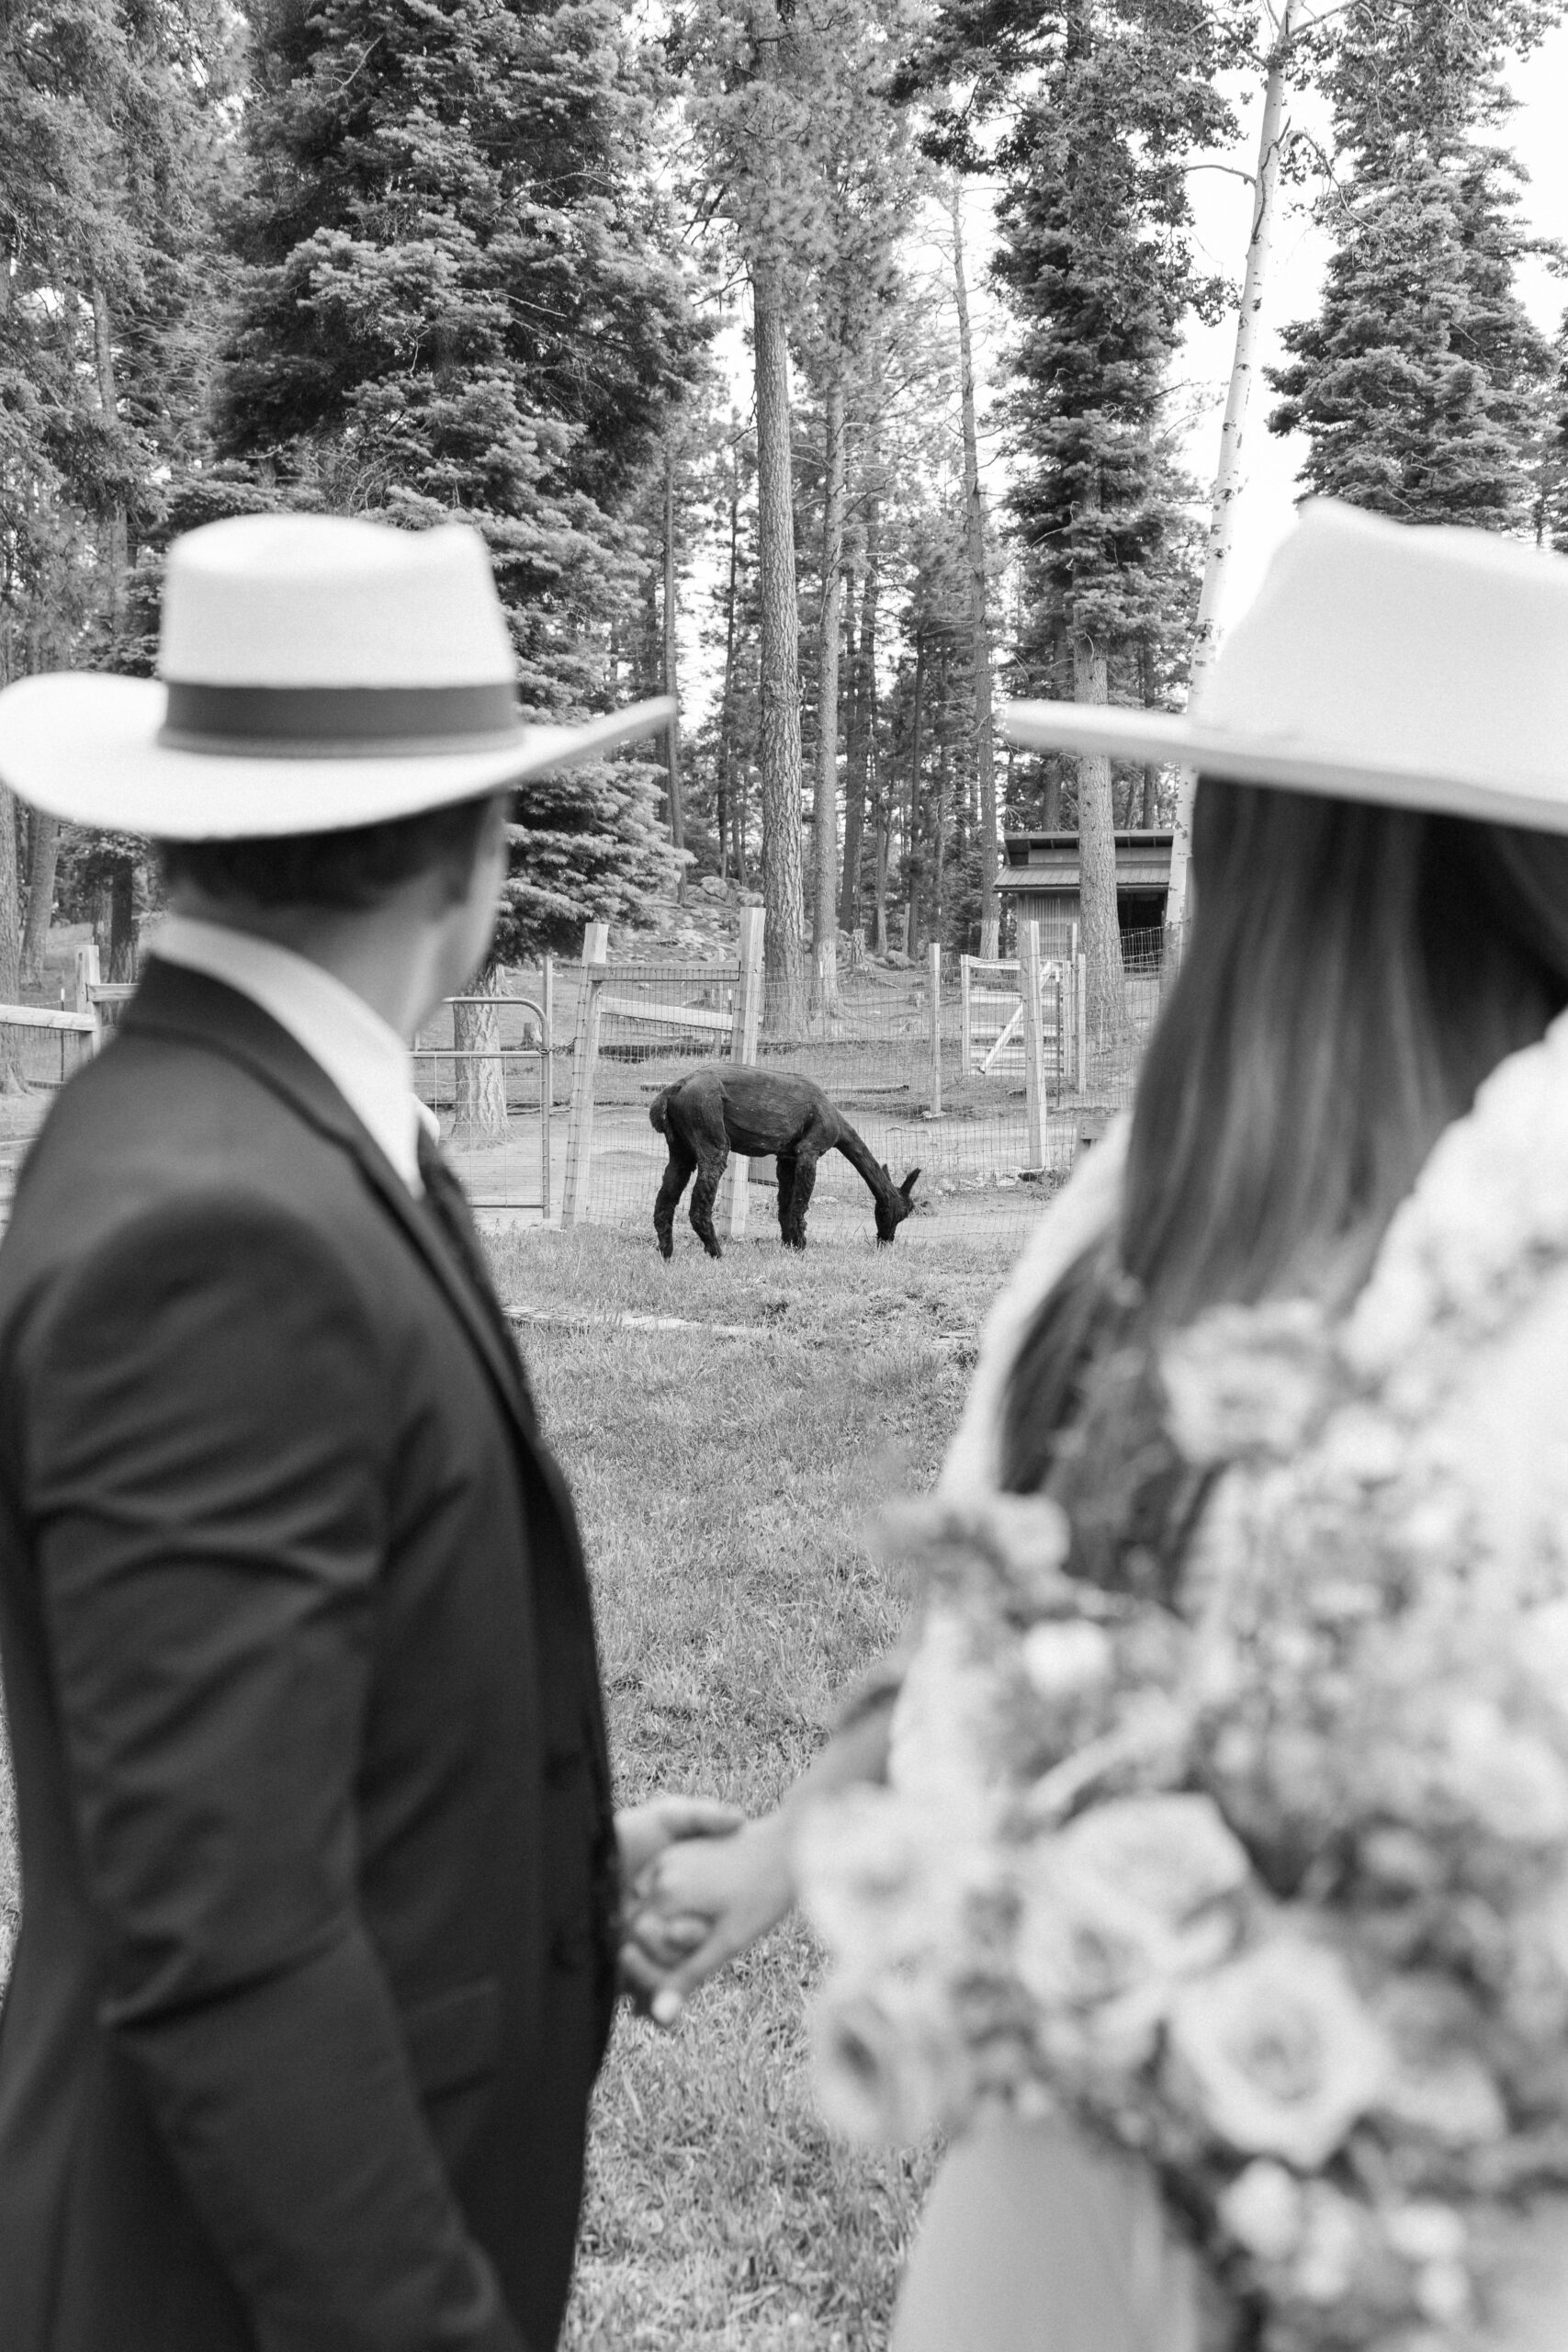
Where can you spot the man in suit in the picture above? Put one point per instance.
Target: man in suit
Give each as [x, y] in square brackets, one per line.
[320, 1867]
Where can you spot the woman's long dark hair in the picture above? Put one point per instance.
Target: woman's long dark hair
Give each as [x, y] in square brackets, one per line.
[1352, 974]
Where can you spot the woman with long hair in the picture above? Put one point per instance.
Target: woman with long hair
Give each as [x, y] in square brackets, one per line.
[1379, 868]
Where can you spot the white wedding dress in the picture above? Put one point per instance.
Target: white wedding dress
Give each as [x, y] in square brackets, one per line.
[1034, 2237]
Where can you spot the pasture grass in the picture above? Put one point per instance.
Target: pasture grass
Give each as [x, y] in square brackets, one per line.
[725, 1486]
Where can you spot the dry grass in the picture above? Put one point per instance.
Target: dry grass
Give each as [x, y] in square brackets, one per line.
[723, 1485]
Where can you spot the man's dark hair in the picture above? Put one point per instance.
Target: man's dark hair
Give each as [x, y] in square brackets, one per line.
[349, 870]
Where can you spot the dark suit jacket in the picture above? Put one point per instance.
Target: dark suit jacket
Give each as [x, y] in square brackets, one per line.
[314, 1971]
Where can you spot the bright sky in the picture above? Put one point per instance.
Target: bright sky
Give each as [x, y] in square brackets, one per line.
[1269, 464]
[1222, 205]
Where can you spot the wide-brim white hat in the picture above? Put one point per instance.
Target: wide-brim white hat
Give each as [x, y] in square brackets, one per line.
[315, 672]
[1422, 666]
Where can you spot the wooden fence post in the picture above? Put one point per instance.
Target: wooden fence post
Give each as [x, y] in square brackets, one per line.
[743, 1049]
[585, 1053]
[1033, 1039]
[935, 960]
[965, 1041]
[89, 977]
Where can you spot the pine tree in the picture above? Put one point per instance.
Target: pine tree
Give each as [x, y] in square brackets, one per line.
[459, 304]
[1096, 262]
[1417, 384]
[110, 156]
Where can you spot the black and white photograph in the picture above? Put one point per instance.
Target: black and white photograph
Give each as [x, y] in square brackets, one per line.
[783, 1176]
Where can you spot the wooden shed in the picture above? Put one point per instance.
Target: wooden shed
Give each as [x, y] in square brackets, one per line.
[1041, 879]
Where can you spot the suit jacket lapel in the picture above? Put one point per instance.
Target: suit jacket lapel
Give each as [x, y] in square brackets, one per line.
[177, 1002]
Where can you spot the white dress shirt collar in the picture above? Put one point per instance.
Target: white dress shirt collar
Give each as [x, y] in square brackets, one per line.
[365, 1058]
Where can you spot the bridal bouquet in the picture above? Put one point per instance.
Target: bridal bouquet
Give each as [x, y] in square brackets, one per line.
[1273, 1893]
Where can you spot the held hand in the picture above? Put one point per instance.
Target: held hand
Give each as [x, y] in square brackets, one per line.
[643, 1831]
[701, 1903]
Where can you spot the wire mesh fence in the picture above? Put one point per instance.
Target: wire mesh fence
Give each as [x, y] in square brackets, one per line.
[937, 1082]
[941, 1086]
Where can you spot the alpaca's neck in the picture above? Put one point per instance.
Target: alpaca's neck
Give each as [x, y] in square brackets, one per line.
[858, 1156]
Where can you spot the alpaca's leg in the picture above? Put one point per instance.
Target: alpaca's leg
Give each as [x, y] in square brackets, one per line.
[787, 1191]
[677, 1175]
[800, 1201]
[710, 1169]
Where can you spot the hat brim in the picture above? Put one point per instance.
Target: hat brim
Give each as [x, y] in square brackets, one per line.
[83, 747]
[1289, 762]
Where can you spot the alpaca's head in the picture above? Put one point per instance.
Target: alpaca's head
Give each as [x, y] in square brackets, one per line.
[893, 1204]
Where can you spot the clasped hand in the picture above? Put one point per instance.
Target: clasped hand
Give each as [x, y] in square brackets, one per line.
[701, 1884]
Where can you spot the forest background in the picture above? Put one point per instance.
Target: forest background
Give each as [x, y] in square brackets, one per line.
[848, 364]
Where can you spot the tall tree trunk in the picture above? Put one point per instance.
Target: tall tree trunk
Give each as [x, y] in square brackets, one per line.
[43, 856]
[1150, 813]
[1097, 861]
[779, 654]
[122, 920]
[677, 820]
[884, 857]
[911, 828]
[1227, 480]
[116, 548]
[479, 1087]
[825, 808]
[979, 626]
[726, 703]
[939, 850]
[779, 633]
[863, 726]
[11, 1078]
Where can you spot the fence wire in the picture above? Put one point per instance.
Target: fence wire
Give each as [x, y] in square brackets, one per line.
[489, 1078]
[877, 1061]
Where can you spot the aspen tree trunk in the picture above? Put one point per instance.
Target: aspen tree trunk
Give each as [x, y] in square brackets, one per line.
[863, 727]
[979, 630]
[677, 820]
[478, 1088]
[825, 809]
[1227, 478]
[939, 879]
[1097, 861]
[779, 632]
[726, 707]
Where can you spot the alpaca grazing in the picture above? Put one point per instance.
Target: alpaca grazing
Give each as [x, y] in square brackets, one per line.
[723, 1109]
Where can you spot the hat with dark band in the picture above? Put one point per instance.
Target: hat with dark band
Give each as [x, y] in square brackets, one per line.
[315, 672]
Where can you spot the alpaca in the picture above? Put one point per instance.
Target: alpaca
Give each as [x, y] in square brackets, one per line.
[724, 1109]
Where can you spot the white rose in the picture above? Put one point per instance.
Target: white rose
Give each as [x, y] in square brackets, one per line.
[1425, 2232]
[1080, 1941]
[1276, 2052]
[882, 1880]
[1512, 1782]
[1265, 2211]
[1332, 2241]
[1171, 1854]
[888, 2062]
[1443, 2292]
[1067, 1659]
